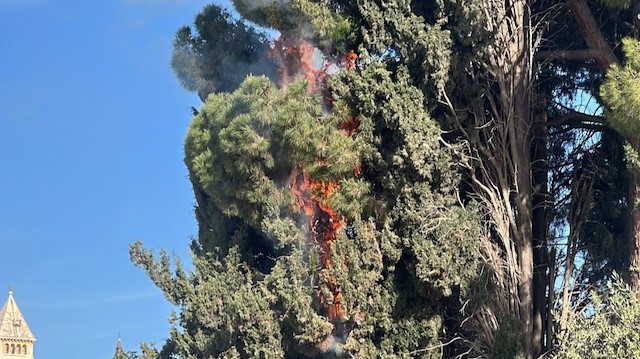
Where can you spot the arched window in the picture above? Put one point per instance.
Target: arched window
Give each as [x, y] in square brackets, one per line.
[13, 348]
[6, 348]
[24, 349]
[19, 349]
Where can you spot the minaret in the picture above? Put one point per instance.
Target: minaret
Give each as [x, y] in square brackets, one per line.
[16, 340]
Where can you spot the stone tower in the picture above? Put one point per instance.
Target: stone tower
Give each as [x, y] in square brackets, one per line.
[119, 350]
[16, 340]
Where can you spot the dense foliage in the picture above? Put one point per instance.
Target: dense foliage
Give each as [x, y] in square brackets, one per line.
[620, 91]
[607, 329]
[450, 193]
[257, 278]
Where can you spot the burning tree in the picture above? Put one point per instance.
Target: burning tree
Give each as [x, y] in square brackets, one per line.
[330, 221]
[409, 178]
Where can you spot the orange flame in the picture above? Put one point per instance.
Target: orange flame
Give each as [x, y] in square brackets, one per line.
[349, 60]
[312, 196]
[295, 58]
[350, 126]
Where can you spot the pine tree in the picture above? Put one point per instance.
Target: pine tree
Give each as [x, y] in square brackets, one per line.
[620, 93]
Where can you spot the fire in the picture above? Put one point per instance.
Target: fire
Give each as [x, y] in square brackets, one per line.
[313, 196]
[349, 61]
[350, 126]
[293, 57]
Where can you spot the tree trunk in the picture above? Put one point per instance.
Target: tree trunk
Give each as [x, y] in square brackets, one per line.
[524, 207]
[634, 236]
[540, 227]
[515, 91]
[550, 299]
[592, 34]
[521, 156]
[636, 19]
[526, 285]
[520, 147]
[509, 68]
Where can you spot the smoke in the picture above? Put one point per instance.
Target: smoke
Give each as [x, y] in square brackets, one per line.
[221, 54]
[280, 15]
[335, 348]
[261, 4]
[330, 347]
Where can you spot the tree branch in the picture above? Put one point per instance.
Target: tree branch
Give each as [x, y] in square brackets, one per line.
[576, 117]
[592, 34]
[568, 55]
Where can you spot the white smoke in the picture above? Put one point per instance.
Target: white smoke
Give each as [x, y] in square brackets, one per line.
[256, 4]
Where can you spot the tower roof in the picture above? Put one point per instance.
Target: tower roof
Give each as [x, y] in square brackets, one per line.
[119, 349]
[12, 323]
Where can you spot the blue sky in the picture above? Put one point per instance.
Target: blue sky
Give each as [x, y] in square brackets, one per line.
[92, 122]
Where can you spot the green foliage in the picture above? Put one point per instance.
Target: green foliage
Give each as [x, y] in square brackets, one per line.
[128, 355]
[414, 176]
[415, 245]
[632, 158]
[255, 286]
[406, 251]
[621, 90]
[242, 147]
[147, 351]
[268, 13]
[220, 54]
[508, 343]
[257, 281]
[608, 329]
[392, 29]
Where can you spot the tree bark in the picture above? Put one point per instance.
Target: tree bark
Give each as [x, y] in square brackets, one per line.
[551, 299]
[540, 226]
[521, 156]
[520, 148]
[592, 34]
[524, 240]
[513, 71]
